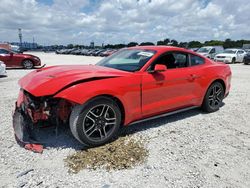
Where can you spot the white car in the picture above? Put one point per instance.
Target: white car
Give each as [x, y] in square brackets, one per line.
[2, 69]
[210, 51]
[231, 55]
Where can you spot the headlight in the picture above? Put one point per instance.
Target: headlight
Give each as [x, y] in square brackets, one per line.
[36, 58]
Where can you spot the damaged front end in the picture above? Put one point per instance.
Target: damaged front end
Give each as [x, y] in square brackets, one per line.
[37, 112]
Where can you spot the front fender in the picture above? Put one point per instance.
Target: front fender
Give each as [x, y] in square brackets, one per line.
[127, 91]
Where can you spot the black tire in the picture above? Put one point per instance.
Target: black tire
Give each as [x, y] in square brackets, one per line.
[233, 60]
[90, 125]
[27, 64]
[213, 98]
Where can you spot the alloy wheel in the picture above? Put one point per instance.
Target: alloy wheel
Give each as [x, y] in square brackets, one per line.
[28, 64]
[99, 122]
[215, 96]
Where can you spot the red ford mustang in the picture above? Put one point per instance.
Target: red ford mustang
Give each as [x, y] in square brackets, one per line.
[12, 59]
[132, 85]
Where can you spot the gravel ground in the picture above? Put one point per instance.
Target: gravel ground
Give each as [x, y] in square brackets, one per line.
[191, 149]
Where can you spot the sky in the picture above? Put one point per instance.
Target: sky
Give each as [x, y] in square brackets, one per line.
[122, 21]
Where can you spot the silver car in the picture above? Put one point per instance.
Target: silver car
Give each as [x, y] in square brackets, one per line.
[2, 69]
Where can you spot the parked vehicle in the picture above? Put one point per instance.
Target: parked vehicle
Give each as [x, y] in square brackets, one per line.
[133, 85]
[210, 51]
[90, 52]
[16, 49]
[108, 53]
[2, 69]
[61, 51]
[246, 59]
[194, 49]
[96, 53]
[12, 59]
[231, 55]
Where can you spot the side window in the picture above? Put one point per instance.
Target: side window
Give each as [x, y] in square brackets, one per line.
[3, 51]
[212, 51]
[172, 60]
[196, 60]
[240, 51]
[181, 60]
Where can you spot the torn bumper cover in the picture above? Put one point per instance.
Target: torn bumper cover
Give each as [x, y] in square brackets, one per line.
[30, 111]
[23, 133]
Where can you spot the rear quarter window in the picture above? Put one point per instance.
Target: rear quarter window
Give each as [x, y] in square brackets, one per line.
[196, 60]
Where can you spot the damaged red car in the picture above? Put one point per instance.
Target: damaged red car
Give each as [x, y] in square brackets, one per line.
[133, 85]
[12, 59]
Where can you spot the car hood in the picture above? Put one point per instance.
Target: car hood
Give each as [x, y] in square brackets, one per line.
[225, 54]
[202, 53]
[50, 80]
[25, 55]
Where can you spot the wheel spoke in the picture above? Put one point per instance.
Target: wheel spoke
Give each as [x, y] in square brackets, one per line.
[110, 121]
[91, 118]
[92, 129]
[103, 119]
[218, 99]
[102, 132]
[213, 103]
[211, 97]
[104, 110]
[218, 92]
[214, 90]
[93, 114]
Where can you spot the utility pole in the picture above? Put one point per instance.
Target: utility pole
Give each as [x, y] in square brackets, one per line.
[20, 36]
[33, 43]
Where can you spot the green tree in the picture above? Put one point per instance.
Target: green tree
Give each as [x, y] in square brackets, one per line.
[194, 44]
[147, 44]
[131, 44]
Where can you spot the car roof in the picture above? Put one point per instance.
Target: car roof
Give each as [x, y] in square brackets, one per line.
[232, 49]
[161, 48]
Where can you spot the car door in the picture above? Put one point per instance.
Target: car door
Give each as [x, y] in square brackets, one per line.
[168, 90]
[5, 57]
[240, 55]
[212, 53]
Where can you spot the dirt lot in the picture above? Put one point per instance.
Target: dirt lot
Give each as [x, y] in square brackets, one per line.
[191, 149]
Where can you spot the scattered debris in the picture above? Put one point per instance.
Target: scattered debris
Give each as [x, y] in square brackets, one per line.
[123, 153]
[22, 184]
[217, 176]
[24, 173]
[39, 183]
[216, 164]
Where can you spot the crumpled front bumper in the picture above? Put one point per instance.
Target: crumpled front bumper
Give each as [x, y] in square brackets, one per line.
[23, 132]
[22, 127]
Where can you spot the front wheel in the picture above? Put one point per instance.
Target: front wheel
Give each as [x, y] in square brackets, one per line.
[96, 122]
[28, 64]
[213, 98]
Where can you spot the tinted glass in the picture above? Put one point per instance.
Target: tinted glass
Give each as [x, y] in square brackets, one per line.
[196, 60]
[172, 60]
[3, 51]
[128, 60]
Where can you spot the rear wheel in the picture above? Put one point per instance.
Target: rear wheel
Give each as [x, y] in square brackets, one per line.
[213, 98]
[96, 122]
[28, 64]
[233, 60]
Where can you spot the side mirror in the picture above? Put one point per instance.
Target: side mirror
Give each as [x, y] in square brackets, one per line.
[160, 68]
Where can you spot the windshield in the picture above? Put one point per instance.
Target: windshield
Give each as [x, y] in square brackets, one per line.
[230, 51]
[128, 60]
[204, 50]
